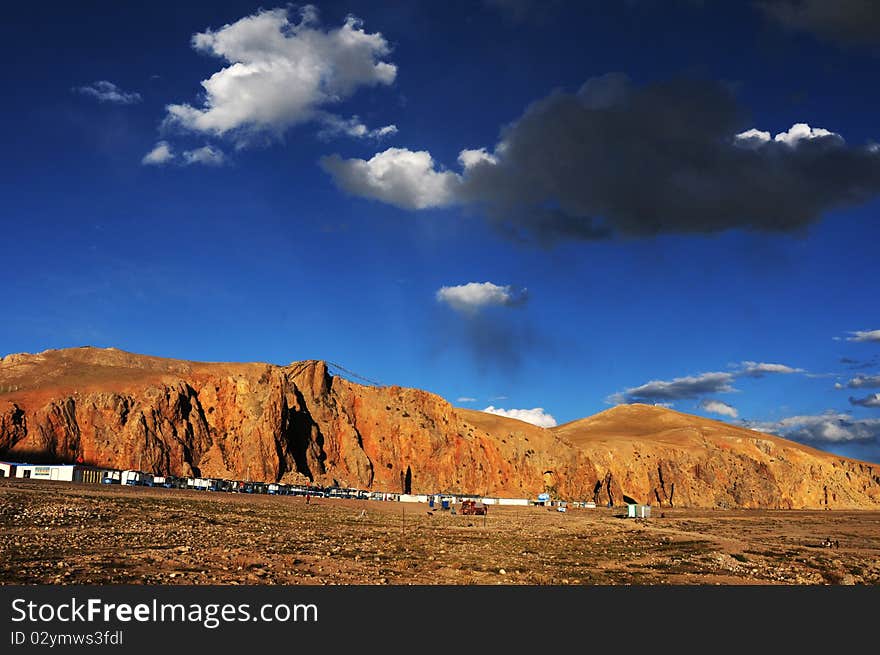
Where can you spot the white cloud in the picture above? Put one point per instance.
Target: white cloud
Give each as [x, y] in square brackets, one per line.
[161, 154]
[676, 389]
[353, 127]
[798, 132]
[759, 369]
[864, 335]
[470, 158]
[801, 131]
[404, 178]
[281, 72]
[718, 407]
[106, 91]
[397, 176]
[830, 427]
[206, 155]
[465, 399]
[474, 296]
[536, 416]
[864, 382]
[752, 138]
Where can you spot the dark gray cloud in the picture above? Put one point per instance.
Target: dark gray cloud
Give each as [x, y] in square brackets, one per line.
[845, 22]
[698, 385]
[616, 159]
[868, 401]
[858, 364]
[613, 159]
[676, 389]
[488, 322]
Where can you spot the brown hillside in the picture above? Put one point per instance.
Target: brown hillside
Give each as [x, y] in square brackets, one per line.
[298, 423]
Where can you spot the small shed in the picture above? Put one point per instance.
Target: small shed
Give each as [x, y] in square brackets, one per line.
[638, 511]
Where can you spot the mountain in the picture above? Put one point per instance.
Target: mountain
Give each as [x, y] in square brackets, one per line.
[299, 423]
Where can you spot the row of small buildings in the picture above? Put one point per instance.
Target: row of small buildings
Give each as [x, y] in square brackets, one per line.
[98, 475]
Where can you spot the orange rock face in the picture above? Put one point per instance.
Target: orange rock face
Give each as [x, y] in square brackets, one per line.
[298, 423]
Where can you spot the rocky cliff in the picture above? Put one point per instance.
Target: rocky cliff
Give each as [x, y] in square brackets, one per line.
[298, 423]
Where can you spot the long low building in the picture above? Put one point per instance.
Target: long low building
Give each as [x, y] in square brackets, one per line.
[59, 472]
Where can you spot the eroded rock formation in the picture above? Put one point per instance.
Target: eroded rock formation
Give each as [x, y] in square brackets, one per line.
[298, 423]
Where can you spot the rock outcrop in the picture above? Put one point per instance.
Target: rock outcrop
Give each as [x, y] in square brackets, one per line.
[298, 423]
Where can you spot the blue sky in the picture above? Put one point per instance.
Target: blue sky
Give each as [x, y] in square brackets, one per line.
[612, 241]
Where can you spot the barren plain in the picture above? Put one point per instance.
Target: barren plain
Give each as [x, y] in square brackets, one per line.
[62, 533]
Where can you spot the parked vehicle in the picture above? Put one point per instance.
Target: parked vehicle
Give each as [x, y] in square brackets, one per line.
[471, 507]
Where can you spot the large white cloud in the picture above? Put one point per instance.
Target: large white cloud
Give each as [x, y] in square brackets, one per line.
[397, 176]
[536, 416]
[474, 296]
[718, 407]
[281, 72]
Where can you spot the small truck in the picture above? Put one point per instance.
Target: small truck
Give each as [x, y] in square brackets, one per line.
[470, 507]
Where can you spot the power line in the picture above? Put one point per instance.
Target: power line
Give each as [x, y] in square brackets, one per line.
[352, 374]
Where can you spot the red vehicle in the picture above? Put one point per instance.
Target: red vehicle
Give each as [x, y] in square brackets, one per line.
[471, 507]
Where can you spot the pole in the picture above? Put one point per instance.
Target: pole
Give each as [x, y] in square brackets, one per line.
[403, 519]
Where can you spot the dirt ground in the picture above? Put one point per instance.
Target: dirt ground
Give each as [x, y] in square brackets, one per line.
[60, 533]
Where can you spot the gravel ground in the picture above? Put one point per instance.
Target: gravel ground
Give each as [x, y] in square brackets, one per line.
[60, 533]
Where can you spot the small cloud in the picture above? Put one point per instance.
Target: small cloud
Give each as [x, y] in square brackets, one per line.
[718, 407]
[868, 401]
[830, 427]
[865, 335]
[536, 416]
[803, 132]
[404, 178]
[161, 154]
[472, 297]
[497, 398]
[864, 382]
[465, 399]
[105, 91]
[760, 369]
[336, 125]
[207, 155]
[675, 389]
